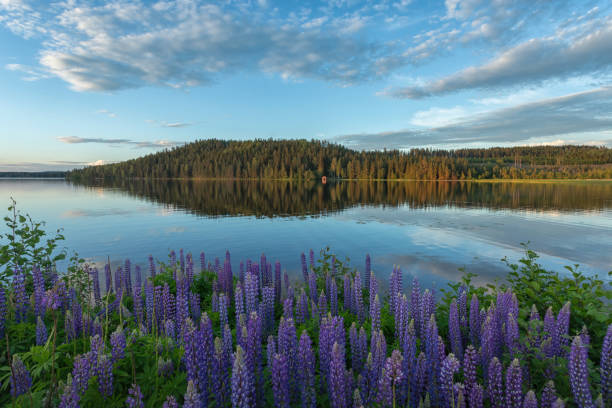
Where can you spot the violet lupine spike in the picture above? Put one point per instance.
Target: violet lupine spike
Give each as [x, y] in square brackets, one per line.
[495, 389]
[288, 308]
[367, 272]
[549, 395]
[348, 296]
[118, 344]
[223, 304]
[512, 334]
[475, 323]
[219, 376]
[462, 303]
[476, 396]
[358, 298]
[190, 355]
[69, 398]
[267, 307]
[450, 367]
[241, 382]
[561, 336]
[333, 297]
[151, 267]
[105, 376]
[194, 306]
[409, 349]
[579, 374]
[21, 381]
[302, 313]
[391, 376]
[322, 306]
[214, 302]
[470, 363]
[606, 367]
[304, 268]
[550, 328]
[251, 292]
[41, 332]
[375, 314]
[253, 350]
[192, 397]
[287, 345]
[21, 298]
[238, 301]
[39, 290]
[559, 403]
[2, 311]
[170, 402]
[280, 384]
[514, 382]
[373, 290]
[337, 378]
[530, 401]
[277, 282]
[134, 399]
[426, 310]
[306, 372]
[108, 278]
[128, 276]
[312, 286]
[459, 392]
[432, 351]
[454, 330]
[149, 305]
[418, 381]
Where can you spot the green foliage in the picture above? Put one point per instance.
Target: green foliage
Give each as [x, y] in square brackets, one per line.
[27, 244]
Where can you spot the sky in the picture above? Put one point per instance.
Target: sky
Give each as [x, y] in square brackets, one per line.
[93, 82]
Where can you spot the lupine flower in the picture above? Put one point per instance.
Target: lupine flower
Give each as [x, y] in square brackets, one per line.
[288, 308]
[192, 398]
[134, 399]
[375, 314]
[367, 271]
[241, 382]
[41, 332]
[512, 334]
[251, 290]
[549, 395]
[337, 378]
[426, 310]
[306, 372]
[322, 306]
[606, 367]
[312, 286]
[558, 403]
[391, 377]
[495, 387]
[373, 290]
[530, 400]
[39, 290]
[280, 383]
[579, 374]
[21, 381]
[223, 303]
[454, 330]
[165, 368]
[475, 322]
[514, 381]
[105, 376]
[333, 297]
[21, 298]
[304, 268]
[561, 336]
[2, 311]
[450, 366]
[170, 402]
[118, 344]
[469, 367]
[238, 301]
[475, 396]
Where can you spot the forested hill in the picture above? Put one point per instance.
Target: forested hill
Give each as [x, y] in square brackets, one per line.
[302, 159]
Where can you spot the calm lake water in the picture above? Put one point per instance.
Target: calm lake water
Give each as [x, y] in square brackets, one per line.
[429, 229]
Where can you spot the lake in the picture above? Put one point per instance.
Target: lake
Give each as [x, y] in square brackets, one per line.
[429, 229]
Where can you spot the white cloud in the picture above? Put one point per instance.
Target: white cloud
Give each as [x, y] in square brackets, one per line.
[97, 163]
[434, 117]
[118, 142]
[107, 113]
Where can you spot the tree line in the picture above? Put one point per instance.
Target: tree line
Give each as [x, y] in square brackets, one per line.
[309, 160]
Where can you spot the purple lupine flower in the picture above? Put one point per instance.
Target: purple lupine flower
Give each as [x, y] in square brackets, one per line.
[469, 368]
[337, 378]
[561, 336]
[21, 381]
[251, 291]
[606, 367]
[426, 310]
[138, 276]
[253, 350]
[287, 345]
[138, 304]
[165, 368]
[214, 301]
[105, 376]
[579, 374]
[168, 303]
[21, 298]
[355, 351]
[204, 352]
[118, 344]
[169, 329]
[559, 403]
[220, 374]
[108, 278]
[379, 354]
[531, 400]
[367, 271]
[450, 366]
[373, 290]
[41, 332]
[223, 303]
[432, 351]
[512, 334]
[475, 322]
[182, 305]
[134, 399]
[459, 392]
[190, 356]
[312, 286]
[238, 301]
[151, 267]
[39, 290]
[267, 309]
[69, 398]
[409, 349]
[454, 330]
[375, 314]
[128, 276]
[194, 306]
[81, 372]
[170, 402]
[149, 305]
[280, 384]
[333, 297]
[462, 303]
[322, 306]
[550, 328]
[192, 397]
[358, 298]
[495, 387]
[2, 311]
[304, 268]
[475, 396]
[514, 382]
[241, 382]
[306, 372]
[549, 395]
[302, 313]
[418, 381]
[391, 377]
[288, 308]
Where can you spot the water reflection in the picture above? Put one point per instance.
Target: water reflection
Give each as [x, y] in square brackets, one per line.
[284, 198]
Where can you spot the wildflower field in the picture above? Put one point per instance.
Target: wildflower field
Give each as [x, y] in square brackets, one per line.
[193, 332]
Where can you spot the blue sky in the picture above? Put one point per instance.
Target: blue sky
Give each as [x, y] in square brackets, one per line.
[85, 82]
